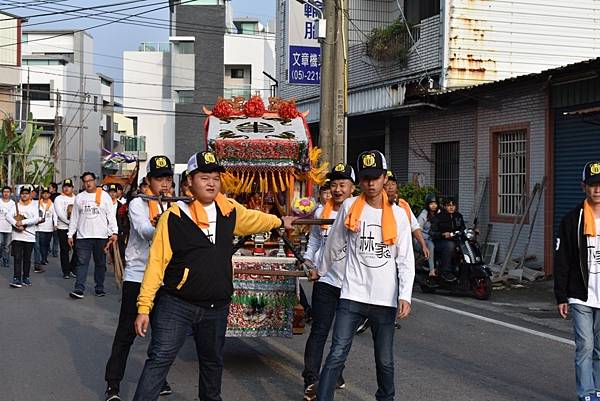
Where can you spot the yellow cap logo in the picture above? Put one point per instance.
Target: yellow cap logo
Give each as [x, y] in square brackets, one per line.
[595, 169]
[389, 173]
[160, 162]
[340, 167]
[209, 158]
[368, 160]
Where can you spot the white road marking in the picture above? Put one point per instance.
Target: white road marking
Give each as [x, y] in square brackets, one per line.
[497, 322]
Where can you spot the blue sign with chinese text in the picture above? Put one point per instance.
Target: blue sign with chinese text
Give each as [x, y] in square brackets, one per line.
[304, 65]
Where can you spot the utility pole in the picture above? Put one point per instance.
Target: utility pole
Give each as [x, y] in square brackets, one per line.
[57, 132]
[328, 53]
[334, 83]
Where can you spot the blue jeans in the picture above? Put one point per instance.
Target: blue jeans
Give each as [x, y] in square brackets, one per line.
[42, 247]
[171, 320]
[349, 315]
[55, 244]
[445, 248]
[4, 248]
[325, 300]
[586, 324]
[84, 249]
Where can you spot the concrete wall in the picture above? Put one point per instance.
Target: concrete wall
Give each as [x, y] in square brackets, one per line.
[79, 141]
[523, 105]
[257, 51]
[157, 126]
[472, 125]
[427, 128]
[208, 74]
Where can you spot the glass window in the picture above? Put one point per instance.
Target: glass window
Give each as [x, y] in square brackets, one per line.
[185, 47]
[511, 177]
[36, 91]
[237, 73]
[185, 96]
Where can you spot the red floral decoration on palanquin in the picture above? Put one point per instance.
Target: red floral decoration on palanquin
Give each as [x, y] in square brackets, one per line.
[255, 107]
[223, 109]
[287, 110]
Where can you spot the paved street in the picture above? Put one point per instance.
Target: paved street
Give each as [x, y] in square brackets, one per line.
[55, 348]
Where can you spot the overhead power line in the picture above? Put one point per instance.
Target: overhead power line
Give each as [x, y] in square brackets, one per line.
[78, 9]
[96, 26]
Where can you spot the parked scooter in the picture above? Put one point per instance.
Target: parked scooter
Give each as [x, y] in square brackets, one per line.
[472, 276]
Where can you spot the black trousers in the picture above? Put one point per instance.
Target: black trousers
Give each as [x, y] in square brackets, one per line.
[68, 262]
[21, 252]
[125, 334]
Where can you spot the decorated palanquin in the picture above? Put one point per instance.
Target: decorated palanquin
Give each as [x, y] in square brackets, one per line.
[270, 163]
[262, 305]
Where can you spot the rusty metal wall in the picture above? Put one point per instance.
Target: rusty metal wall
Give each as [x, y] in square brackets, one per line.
[489, 40]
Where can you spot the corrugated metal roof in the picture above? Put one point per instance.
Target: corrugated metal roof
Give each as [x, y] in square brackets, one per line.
[573, 67]
[13, 15]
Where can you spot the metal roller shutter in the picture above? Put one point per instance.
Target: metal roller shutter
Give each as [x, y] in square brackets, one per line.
[576, 141]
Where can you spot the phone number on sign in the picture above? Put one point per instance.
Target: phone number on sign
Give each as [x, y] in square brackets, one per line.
[299, 75]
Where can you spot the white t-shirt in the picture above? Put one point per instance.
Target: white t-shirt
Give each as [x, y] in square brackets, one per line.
[211, 213]
[593, 246]
[211, 231]
[61, 206]
[48, 214]
[375, 273]
[316, 243]
[5, 208]
[90, 220]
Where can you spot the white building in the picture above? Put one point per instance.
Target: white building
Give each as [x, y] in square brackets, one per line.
[169, 83]
[62, 93]
[10, 62]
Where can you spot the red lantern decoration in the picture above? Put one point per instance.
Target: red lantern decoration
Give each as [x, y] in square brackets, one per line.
[223, 109]
[288, 110]
[255, 107]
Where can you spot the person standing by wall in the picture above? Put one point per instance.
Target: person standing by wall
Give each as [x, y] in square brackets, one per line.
[577, 281]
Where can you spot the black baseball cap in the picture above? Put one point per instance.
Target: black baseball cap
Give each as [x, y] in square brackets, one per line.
[591, 173]
[43, 189]
[67, 182]
[391, 176]
[112, 187]
[326, 185]
[371, 164]
[205, 162]
[159, 166]
[25, 188]
[342, 171]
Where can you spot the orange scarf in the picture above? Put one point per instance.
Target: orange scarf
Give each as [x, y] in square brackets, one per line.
[589, 220]
[46, 203]
[199, 213]
[404, 205]
[152, 205]
[98, 196]
[327, 209]
[24, 203]
[389, 232]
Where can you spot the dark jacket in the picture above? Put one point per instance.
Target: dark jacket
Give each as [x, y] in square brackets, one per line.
[571, 271]
[189, 264]
[445, 222]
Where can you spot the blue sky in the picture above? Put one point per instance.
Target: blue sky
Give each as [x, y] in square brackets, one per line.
[115, 38]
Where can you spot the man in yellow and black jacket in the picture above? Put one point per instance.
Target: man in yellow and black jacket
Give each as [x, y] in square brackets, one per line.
[190, 265]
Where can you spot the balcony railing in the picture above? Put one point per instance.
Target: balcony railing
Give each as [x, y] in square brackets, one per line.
[237, 90]
[135, 145]
[164, 47]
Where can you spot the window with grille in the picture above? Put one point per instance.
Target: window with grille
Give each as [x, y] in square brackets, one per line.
[510, 164]
[447, 157]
